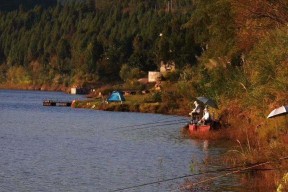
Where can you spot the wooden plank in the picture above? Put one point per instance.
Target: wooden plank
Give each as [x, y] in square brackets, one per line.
[57, 103]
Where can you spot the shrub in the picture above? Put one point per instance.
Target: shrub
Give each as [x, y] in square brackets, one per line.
[149, 107]
[134, 107]
[172, 76]
[18, 75]
[129, 73]
[265, 68]
[154, 97]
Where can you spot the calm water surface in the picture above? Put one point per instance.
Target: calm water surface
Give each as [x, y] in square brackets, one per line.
[66, 149]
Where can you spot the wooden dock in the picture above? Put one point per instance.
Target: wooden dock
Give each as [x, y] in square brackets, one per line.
[57, 103]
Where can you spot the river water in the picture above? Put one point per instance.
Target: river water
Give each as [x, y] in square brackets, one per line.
[67, 149]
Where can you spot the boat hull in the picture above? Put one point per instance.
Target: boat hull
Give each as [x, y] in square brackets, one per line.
[199, 128]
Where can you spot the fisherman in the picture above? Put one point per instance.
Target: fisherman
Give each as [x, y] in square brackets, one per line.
[206, 119]
[195, 112]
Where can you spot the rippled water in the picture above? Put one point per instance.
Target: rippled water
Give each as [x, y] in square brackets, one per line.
[66, 149]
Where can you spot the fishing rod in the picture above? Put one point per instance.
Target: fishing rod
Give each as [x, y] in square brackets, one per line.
[232, 170]
[161, 122]
[158, 182]
[170, 179]
[151, 123]
[158, 121]
[157, 125]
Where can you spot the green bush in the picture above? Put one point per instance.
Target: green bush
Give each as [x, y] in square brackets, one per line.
[172, 76]
[154, 97]
[149, 107]
[134, 107]
[18, 75]
[266, 69]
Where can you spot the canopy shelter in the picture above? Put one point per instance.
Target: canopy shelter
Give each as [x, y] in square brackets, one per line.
[116, 96]
[207, 101]
[283, 110]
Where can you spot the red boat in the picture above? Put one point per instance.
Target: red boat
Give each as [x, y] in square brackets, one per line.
[199, 128]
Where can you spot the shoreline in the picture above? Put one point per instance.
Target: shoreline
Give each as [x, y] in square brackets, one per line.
[154, 108]
[96, 104]
[57, 88]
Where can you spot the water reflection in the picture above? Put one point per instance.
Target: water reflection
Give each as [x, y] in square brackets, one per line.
[205, 145]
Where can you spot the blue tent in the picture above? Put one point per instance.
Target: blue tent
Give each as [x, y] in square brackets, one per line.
[116, 96]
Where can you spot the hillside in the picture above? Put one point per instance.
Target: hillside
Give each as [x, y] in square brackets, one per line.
[80, 42]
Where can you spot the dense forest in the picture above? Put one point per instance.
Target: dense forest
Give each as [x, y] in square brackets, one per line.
[222, 48]
[86, 41]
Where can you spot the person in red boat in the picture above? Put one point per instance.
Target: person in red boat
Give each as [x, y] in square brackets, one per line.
[195, 112]
[206, 119]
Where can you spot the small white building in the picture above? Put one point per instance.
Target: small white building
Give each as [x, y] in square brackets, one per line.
[77, 90]
[153, 76]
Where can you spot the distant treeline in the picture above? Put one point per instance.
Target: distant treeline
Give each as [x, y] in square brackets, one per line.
[78, 41]
[220, 47]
